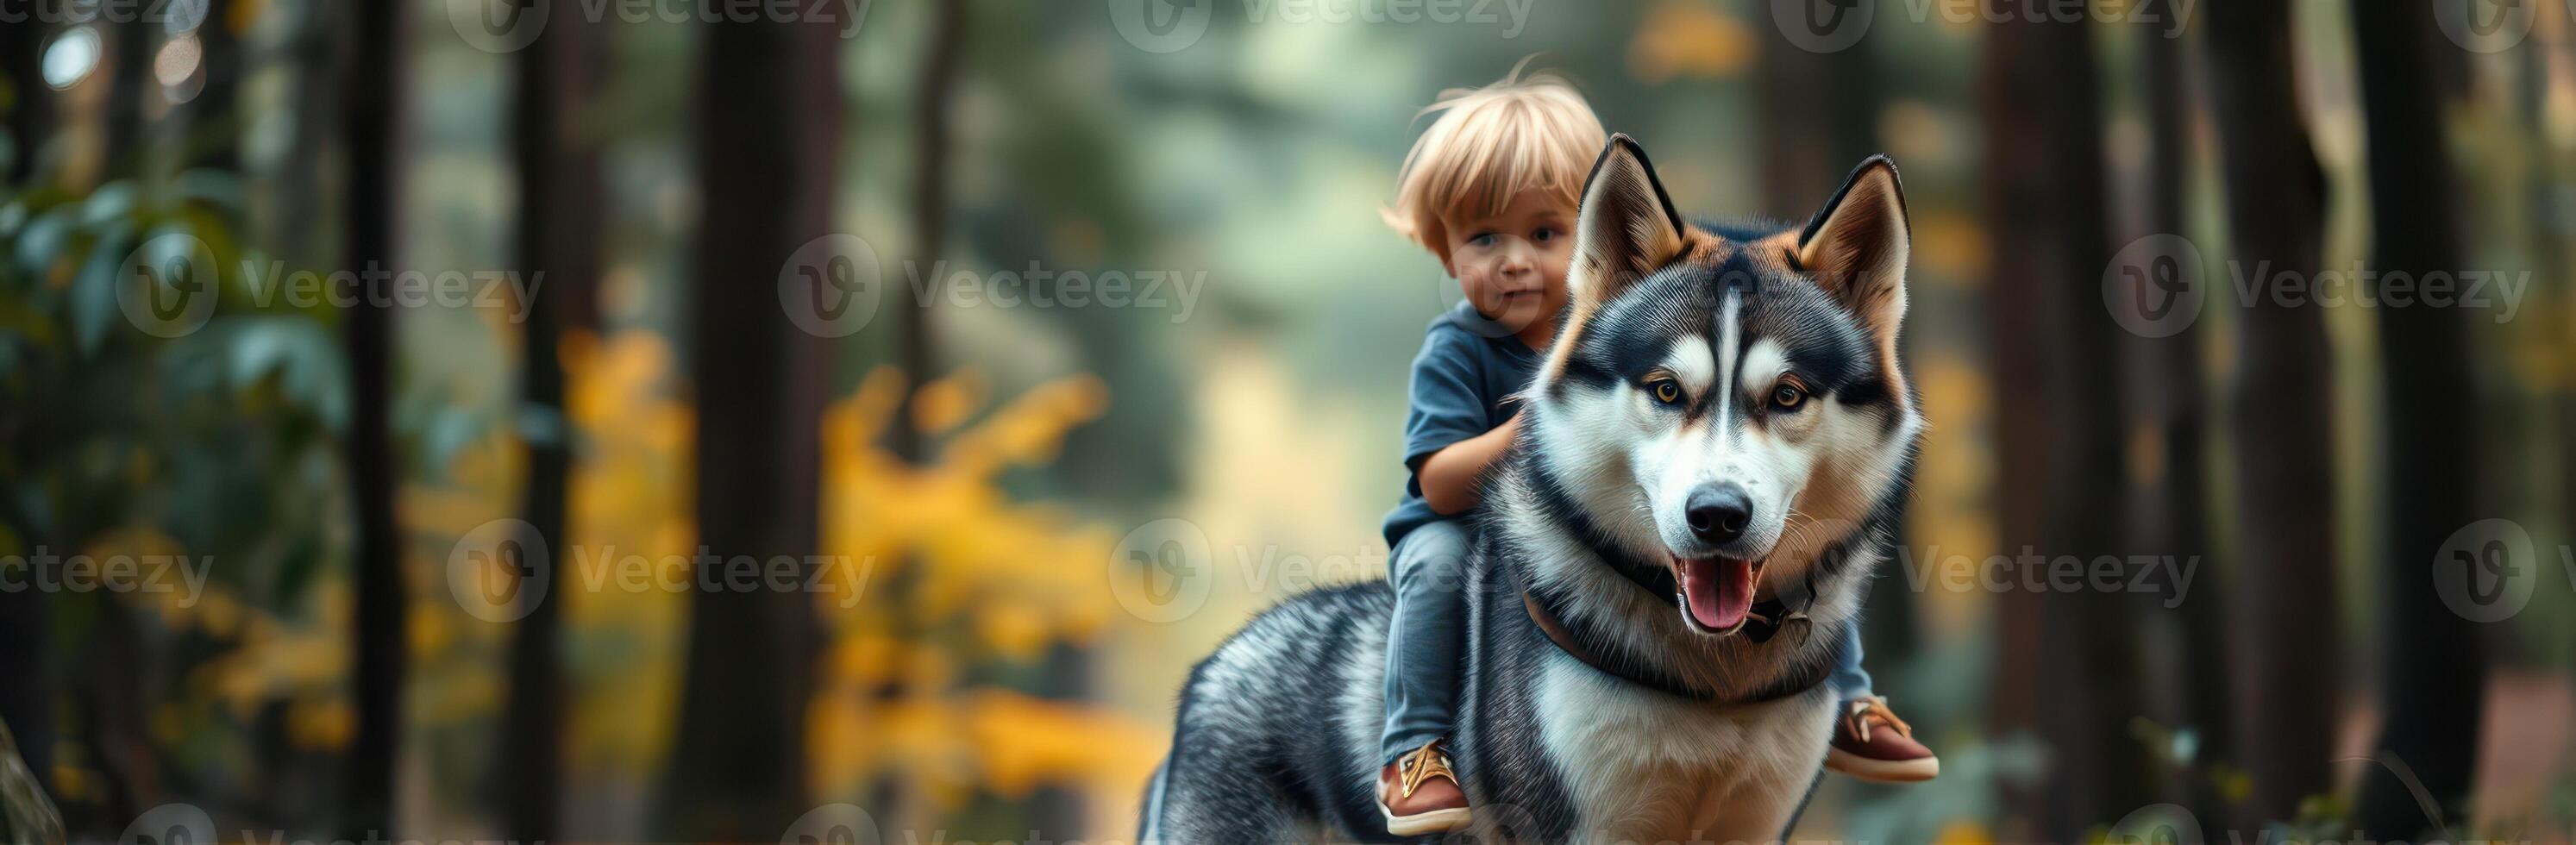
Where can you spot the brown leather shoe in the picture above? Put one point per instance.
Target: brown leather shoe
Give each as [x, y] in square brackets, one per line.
[1870, 743]
[1419, 794]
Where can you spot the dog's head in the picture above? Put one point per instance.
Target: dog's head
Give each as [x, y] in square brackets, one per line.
[1728, 404]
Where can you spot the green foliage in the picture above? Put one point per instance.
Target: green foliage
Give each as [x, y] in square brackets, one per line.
[216, 444]
[115, 429]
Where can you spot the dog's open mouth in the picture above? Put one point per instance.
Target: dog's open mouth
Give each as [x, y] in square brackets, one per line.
[1717, 592]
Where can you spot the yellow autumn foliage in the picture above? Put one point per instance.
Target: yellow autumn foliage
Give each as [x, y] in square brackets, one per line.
[959, 579]
[1964, 833]
[960, 575]
[630, 495]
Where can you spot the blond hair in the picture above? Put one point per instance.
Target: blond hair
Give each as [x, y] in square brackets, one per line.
[1489, 145]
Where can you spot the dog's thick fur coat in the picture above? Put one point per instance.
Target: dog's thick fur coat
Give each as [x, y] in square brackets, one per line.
[1780, 344]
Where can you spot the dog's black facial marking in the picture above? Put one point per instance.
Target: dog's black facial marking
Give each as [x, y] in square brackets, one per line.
[1629, 336]
[1868, 393]
[1826, 349]
[1830, 352]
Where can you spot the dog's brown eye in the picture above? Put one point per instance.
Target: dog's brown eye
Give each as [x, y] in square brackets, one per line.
[1665, 391]
[1788, 397]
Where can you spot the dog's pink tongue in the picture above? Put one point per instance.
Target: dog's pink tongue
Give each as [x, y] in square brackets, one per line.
[1718, 593]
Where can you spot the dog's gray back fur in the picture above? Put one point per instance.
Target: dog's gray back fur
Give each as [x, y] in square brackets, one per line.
[1278, 731]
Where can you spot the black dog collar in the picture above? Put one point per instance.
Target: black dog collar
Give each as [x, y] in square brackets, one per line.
[1591, 652]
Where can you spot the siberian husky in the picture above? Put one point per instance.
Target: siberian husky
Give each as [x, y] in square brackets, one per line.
[1717, 452]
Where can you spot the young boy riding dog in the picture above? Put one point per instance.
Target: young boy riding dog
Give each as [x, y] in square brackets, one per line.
[1492, 189]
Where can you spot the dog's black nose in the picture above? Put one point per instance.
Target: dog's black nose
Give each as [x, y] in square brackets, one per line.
[1719, 512]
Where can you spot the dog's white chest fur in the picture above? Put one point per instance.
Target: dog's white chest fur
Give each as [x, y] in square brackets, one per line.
[1646, 767]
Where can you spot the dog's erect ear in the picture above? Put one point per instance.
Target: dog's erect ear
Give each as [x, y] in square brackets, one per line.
[1857, 245]
[1627, 227]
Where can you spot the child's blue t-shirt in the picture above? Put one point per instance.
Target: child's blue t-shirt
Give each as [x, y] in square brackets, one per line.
[1467, 370]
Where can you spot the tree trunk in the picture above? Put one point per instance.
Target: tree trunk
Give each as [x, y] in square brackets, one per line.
[558, 243]
[26, 624]
[2019, 212]
[27, 700]
[1819, 119]
[31, 117]
[373, 70]
[769, 111]
[2044, 157]
[215, 141]
[2167, 390]
[26, 661]
[2432, 667]
[294, 218]
[128, 65]
[929, 200]
[2287, 670]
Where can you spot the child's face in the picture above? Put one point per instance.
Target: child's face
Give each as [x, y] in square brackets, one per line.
[1513, 264]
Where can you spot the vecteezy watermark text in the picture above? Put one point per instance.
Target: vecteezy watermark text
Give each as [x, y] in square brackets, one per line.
[167, 286]
[46, 572]
[189, 824]
[2168, 576]
[1168, 26]
[503, 569]
[2499, 291]
[2158, 285]
[509, 291]
[834, 285]
[846, 578]
[175, 15]
[504, 26]
[1176, 291]
[2173, 17]
[1164, 570]
[1832, 26]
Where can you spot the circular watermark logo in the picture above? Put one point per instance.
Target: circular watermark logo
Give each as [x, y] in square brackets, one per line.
[166, 287]
[1162, 571]
[833, 824]
[170, 824]
[2155, 824]
[832, 286]
[500, 571]
[498, 26]
[1823, 26]
[2485, 26]
[2487, 570]
[2155, 286]
[1161, 26]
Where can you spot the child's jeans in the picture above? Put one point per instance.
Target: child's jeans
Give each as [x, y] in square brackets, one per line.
[1425, 645]
[1849, 680]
